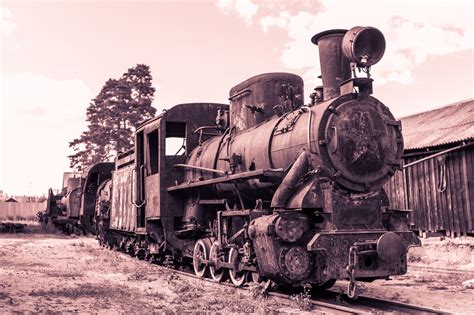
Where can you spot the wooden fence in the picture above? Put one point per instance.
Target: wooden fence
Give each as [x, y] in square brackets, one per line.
[440, 191]
[13, 210]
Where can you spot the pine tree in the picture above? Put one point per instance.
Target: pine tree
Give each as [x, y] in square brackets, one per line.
[112, 117]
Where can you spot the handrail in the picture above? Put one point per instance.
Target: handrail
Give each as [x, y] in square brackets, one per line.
[142, 202]
[239, 93]
[201, 129]
[131, 187]
[201, 168]
[308, 109]
[206, 127]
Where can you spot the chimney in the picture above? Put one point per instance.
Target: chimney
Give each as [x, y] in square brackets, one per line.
[335, 69]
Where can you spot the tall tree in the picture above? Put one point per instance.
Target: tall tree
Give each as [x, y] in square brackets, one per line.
[112, 117]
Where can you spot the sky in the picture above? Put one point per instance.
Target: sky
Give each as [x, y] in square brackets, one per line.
[57, 55]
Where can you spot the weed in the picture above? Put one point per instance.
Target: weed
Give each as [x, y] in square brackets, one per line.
[137, 275]
[63, 273]
[259, 290]
[80, 244]
[361, 287]
[303, 300]
[421, 279]
[83, 290]
[3, 296]
[155, 294]
[173, 276]
[413, 258]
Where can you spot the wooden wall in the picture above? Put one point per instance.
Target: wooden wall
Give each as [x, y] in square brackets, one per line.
[437, 207]
[14, 210]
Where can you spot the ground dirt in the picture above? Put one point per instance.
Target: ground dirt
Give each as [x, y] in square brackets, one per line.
[436, 273]
[51, 273]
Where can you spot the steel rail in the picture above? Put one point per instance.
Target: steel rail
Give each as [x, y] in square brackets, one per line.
[387, 305]
[443, 271]
[326, 300]
[319, 305]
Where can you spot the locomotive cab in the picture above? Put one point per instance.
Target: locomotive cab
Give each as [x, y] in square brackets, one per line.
[139, 202]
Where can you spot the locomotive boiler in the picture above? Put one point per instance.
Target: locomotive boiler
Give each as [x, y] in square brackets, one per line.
[268, 187]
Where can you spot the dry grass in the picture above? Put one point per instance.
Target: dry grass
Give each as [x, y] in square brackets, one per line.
[64, 273]
[138, 275]
[30, 265]
[77, 276]
[4, 296]
[154, 293]
[79, 244]
[83, 290]
[258, 291]
[303, 301]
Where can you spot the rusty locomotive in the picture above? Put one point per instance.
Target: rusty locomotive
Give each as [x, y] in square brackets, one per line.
[72, 210]
[267, 187]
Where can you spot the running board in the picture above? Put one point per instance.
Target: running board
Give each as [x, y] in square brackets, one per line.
[262, 174]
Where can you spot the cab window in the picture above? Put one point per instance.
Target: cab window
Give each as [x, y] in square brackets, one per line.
[175, 138]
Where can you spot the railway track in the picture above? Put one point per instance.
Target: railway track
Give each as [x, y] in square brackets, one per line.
[336, 303]
[366, 304]
[443, 271]
[326, 300]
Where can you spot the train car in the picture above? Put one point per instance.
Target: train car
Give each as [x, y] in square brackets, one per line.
[268, 187]
[72, 210]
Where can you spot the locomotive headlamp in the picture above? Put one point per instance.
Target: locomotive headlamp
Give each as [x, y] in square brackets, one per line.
[363, 46]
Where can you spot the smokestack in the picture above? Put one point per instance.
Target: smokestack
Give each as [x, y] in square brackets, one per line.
[335, 69]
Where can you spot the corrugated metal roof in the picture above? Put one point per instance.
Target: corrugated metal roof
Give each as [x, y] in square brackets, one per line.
[449, 124]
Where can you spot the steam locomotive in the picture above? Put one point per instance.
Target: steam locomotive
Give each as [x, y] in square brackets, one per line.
[267, 187]
[72, 210]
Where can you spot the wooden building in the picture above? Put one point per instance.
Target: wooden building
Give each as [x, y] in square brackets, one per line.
[437, 181]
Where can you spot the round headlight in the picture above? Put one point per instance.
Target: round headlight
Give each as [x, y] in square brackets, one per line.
[364, 46]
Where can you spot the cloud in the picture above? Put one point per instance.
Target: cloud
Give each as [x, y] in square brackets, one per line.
[6, 21]
[413, 31]
[246, 9]
[280, 21]
[39, 117]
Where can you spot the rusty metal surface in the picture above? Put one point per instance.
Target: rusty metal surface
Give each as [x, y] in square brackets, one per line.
[294, 175]
[123, 214]
[362, 141]
[334, 68]
[253, 101]
[93, 177]
[261, 173]
[72, 201]
[357, 141]
[336, 246]
[363, 45]
[449, 124]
